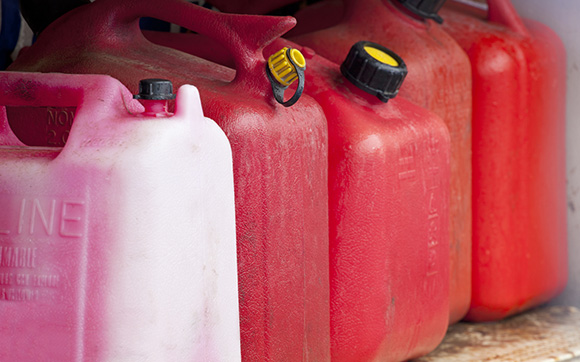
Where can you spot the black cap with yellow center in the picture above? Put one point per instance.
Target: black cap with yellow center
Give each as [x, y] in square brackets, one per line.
[425, 8]
[374, 69]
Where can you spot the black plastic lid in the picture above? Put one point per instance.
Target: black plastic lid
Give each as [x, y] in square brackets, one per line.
[155, 89]
[425, 8]
[371, 74]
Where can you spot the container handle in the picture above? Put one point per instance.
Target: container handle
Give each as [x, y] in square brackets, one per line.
[62, 90]
[244, 36]
[58, 89]
[503, 12]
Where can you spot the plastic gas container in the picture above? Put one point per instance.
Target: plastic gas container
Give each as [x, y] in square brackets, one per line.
[439, 79]
[561, 16]
[519, 183]
[279, 155]
[121, 245]
[389, 207]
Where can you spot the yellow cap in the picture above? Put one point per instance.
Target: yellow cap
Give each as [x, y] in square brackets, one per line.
[381, 56]
[282, 69]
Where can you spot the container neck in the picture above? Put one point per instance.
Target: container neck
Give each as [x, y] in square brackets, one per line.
[379, 11]
[362, 97]
[402, 9]
[155, 108]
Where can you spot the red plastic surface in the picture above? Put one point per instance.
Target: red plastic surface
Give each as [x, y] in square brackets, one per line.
[519, 203]
[280, 155]
[389, 219]
[439, 79]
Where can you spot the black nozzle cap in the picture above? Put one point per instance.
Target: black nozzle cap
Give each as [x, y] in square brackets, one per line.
[427, 9]
[155, 89]
[372, 74]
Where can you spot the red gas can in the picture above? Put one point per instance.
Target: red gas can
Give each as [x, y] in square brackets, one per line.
[279, 155]
[519, 201]
[389, 208]
[439, 80]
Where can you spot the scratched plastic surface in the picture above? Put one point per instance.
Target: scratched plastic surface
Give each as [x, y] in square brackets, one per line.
[389, 218]
[440, 80]
[519, 203]
[279, 155]
[121, 245]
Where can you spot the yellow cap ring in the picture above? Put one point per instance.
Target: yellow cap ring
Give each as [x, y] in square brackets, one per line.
[298, 58]
[284, 67]
[281, 67]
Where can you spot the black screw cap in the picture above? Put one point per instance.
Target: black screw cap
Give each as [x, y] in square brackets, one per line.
[370, 73]
[425, 8]
[155, 89]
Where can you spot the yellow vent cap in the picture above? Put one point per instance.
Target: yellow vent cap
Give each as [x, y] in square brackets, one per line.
[281, 67]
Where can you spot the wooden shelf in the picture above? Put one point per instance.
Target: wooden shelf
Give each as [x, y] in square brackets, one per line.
[544, 335]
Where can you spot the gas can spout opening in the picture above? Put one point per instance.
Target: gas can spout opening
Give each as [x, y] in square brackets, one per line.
[155, 108]
[374, 69]
[154, 95]
[421, 10]
[284, 67]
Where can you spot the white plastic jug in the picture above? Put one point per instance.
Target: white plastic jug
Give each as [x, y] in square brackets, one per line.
[120, 246]
[562, 17]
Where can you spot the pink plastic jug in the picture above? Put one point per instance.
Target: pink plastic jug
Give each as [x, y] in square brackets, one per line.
[279, 154]
[120, 246]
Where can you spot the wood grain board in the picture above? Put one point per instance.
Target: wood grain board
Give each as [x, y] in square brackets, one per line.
[543, 335]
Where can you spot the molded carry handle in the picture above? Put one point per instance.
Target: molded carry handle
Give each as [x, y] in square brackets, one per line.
[99, 93]
[60, 90]
[244, 36]
[503, 12]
